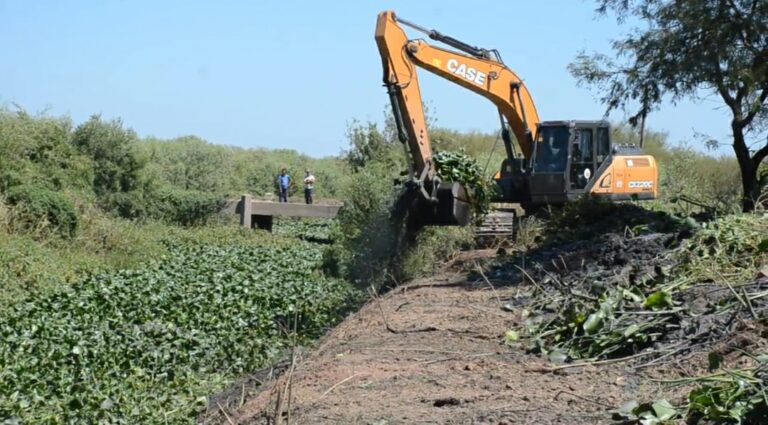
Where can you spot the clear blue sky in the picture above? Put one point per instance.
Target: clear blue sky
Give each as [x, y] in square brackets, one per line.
[289, 74]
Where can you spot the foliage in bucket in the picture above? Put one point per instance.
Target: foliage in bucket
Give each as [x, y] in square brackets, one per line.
[462, 168]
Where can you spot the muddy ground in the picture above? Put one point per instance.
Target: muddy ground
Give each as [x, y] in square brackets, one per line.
[434, 352]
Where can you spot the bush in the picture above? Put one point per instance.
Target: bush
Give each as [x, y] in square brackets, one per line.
[129, 205]
[185, 207]
[711, 181]
[37, 150]
[371, 241]
[36, 206]
[112, 149]
[189, 163]
[434, 246]
[369, 145]
[167, 204]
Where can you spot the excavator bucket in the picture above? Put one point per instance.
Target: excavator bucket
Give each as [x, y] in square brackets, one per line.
[452, 208]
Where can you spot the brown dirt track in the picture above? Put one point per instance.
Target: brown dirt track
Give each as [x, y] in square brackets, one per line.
[443, 361]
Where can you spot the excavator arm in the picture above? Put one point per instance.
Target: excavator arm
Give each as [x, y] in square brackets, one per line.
[478, 70]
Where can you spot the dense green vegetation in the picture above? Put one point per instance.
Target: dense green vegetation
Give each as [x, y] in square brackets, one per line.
[147, 345]
[126, 296]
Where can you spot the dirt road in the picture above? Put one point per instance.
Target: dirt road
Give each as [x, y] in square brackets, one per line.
[433, 352]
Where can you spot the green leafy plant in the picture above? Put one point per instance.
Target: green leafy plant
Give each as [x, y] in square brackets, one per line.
[308, 229]
[734, 396]
[462, 168]
[727, 396]
[597, 325]
[655, 413]
[733, 247]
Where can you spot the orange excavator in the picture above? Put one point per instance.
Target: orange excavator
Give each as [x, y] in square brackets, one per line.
[559, 160]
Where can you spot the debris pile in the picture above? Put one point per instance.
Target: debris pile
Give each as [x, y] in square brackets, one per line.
[651, 297]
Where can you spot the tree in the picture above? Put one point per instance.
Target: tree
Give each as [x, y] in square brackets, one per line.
[689, 47]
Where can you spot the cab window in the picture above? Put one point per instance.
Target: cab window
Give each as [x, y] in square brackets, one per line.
[552, 149]
[603, 144]
[581, 158]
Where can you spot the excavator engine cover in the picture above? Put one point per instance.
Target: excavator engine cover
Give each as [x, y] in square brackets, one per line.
[452, 207]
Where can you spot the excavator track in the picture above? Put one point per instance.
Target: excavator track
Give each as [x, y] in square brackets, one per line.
[499, 226]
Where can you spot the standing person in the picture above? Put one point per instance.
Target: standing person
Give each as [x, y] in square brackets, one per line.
[309, 186]
[283, 183]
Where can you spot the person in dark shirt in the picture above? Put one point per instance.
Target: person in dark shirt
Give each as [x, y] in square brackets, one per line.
[283, 183]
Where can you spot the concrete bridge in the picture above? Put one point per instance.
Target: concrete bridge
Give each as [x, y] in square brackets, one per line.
[259, 214]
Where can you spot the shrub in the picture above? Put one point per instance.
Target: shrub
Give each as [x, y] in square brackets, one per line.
[371, 241]
[112, 149]
[190, 163]
[129, 205]
[185, 207]
[369, 145]
[434, 246]
[35, 205]
[37, 149]
[711, 181]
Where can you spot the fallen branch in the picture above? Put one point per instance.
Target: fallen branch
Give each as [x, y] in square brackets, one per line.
[328, 391]
[399, 331]
[671, 353]
[424, 350]
[594, 363]
[224, 412]
[469, 356]
[480, 270]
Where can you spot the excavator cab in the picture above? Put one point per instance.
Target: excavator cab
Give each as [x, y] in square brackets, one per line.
[566, 157]
[573, 158]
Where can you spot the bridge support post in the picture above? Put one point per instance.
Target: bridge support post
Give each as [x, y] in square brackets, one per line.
[245, 212]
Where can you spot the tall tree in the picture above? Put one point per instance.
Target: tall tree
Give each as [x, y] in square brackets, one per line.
[686, 48]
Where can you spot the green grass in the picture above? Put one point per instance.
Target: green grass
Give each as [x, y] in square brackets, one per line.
[35, 260]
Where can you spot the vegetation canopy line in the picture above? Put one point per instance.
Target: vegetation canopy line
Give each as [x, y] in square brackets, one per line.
[718, 46]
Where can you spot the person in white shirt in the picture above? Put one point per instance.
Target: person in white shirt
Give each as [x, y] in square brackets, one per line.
[309, 186]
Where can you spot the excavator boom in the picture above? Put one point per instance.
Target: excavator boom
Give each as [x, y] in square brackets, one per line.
[476, 71]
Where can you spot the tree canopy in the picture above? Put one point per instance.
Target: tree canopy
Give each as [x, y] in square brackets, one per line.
[685, 49]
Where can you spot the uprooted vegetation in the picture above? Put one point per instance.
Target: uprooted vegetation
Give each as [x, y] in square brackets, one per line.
[643, 286]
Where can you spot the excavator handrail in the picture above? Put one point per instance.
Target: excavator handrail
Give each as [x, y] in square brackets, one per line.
[453, 42]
